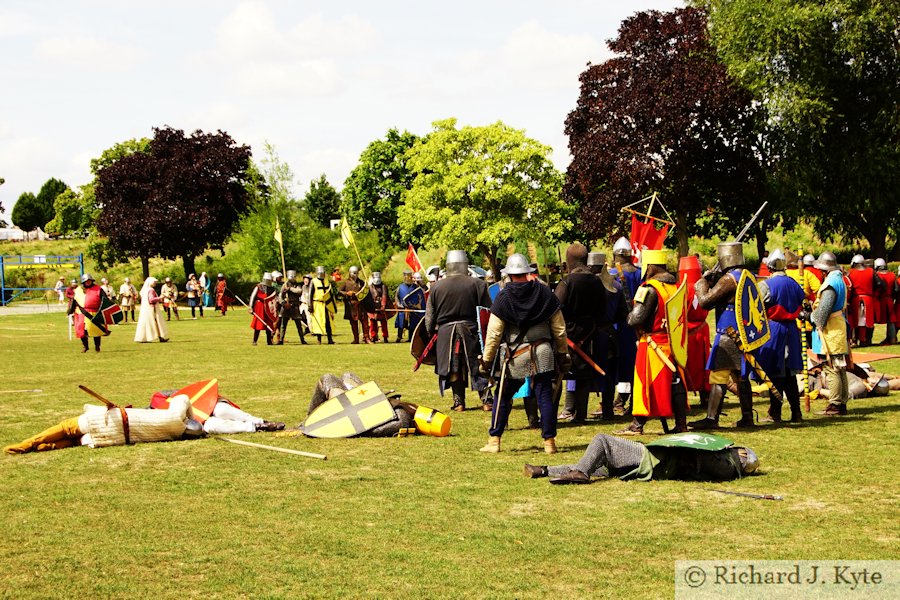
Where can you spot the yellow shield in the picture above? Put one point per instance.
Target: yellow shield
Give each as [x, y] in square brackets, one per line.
[351, 413]
[676, 323]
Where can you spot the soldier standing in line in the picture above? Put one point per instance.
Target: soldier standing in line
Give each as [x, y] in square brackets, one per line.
[380, 298]
[290, 300]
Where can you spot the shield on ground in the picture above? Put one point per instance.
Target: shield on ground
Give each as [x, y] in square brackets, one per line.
[203, 396]
[750, 312]
[676, 323]
[419, 342]
[694, 439]
[351, 413]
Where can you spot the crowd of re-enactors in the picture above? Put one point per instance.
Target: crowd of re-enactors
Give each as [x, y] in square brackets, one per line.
[588, 327]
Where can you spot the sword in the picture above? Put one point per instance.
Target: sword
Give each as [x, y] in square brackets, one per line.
[662, 355]
[584, 356]
[755, 365]
[740, 236]
[754, 496]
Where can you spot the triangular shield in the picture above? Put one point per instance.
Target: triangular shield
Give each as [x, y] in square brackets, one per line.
[482, 316]
[351, 413]
[693, 439]
[676, 323]
[753, 325]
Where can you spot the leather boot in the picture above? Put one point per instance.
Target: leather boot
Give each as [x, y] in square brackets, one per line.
[534, 471]
[745, 396]
[568, 413]
[493, 445]
[550, 445]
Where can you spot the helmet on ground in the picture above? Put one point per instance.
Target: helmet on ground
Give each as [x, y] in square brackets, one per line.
[86, 277]
[430, 421]
[622, 247]
[776, 260]
[857, 260]
[730, 254]
[517, 264]
[880, 265]
[457, 263]
[827, 262]
[376, 277]
[749, 460]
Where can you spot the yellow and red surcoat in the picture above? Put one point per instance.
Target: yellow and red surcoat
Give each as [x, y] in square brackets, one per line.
[652, 378]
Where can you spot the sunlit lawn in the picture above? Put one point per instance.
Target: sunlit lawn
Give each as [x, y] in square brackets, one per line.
[412, 517]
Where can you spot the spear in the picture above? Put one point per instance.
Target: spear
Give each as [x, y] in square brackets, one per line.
[754, 496]
[275, 448]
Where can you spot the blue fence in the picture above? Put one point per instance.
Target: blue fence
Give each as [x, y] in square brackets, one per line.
[34, 261]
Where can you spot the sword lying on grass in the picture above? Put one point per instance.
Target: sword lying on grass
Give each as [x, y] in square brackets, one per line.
[754, 496]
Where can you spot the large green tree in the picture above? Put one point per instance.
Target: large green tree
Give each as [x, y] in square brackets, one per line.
[184, 194]
[322, 202]
[374, 189]
[32, 211]
[480, 188]
[828, 72]
[75, 212]
[663, 116]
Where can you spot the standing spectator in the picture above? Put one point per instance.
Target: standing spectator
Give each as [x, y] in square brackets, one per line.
[207, 298]
[224, 297]
[127, 296]
[107, 289]
[60, 289]
[169, 293]
[194, 295]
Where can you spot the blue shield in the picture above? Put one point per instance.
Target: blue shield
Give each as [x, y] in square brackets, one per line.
[753, 325]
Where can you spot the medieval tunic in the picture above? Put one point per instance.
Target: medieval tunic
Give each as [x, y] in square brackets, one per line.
[127, 295]
[450, 312]
[626, 338]
[378, 309]
[830, 335]
[323, 306]
[781, 355]
[863, 308]
[262, 306]
[89, 299]
[697, 375]
[724, 354]
[652, 378]
[886, 297]
[150, 326]
[411, 296]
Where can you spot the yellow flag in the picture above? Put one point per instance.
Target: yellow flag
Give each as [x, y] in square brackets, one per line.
[277, 231]
[346, 234]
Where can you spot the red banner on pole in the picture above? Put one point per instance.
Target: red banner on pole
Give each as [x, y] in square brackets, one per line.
[645, 236]
[412, 259]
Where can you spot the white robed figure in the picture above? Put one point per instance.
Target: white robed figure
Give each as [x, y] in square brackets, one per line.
[150, 326]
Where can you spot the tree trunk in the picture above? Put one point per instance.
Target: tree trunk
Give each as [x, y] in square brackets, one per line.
[491, 254]
[681, 234]
[145, 266]
[876, 234]
[895, 251]
[188, 265]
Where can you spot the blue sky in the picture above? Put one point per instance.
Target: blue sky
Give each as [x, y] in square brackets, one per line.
[317, 80]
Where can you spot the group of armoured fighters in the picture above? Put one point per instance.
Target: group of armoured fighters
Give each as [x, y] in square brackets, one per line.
[606, 330]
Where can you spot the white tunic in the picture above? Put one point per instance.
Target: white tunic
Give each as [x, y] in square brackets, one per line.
[147, 331]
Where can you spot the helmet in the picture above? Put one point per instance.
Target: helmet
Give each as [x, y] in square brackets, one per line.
[267, 277]
[749, 460]
[880, 265]
[73, 282]
[730, 254]
[407, 274]
[654, 257]
[809, 260]
[291, 274]
[827, 262]
[689, 266]
[376, 278]
[429, 421]
[857, 260]
[776, 260]
[127, 280]
[320, 271]
[596, 259]
[220, 276]
[517, 264]
[622, 247]
[457, 263]
[276, 274]
[86, 277]
[192, 276]
[433, 269]
[168, 280]
[576, 256]
[103, 280]
[417, 276]
[353, 270]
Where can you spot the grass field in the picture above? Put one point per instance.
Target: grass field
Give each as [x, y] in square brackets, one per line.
[386, 518]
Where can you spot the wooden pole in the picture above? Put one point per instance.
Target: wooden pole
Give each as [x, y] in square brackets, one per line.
[274, 448]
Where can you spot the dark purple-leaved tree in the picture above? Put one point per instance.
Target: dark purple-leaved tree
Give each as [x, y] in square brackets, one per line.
[180, 196]
[663, 116]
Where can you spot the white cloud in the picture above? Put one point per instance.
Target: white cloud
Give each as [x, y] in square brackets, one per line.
[89, 53]
[546, 58]
[16, 24]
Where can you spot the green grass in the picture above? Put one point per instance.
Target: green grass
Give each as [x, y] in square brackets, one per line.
[413, 517]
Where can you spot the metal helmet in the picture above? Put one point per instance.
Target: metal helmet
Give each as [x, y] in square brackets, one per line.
[749, 460]
[73, 282]
[417, 277]
[517, 264]
[857, 260]
[827, 262]
[596, 259]
[776, 260]
[622, 247]
[168, 280]
[220, 276]
[277, 274]
[127, 280]
[353, 270]
[86, 277]
[880, 264]
[267, 276]
[730, 254]
[457, 263]
[376, 277]
[809, 260]
[291, 274]
[104, 281]
[320, 271]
